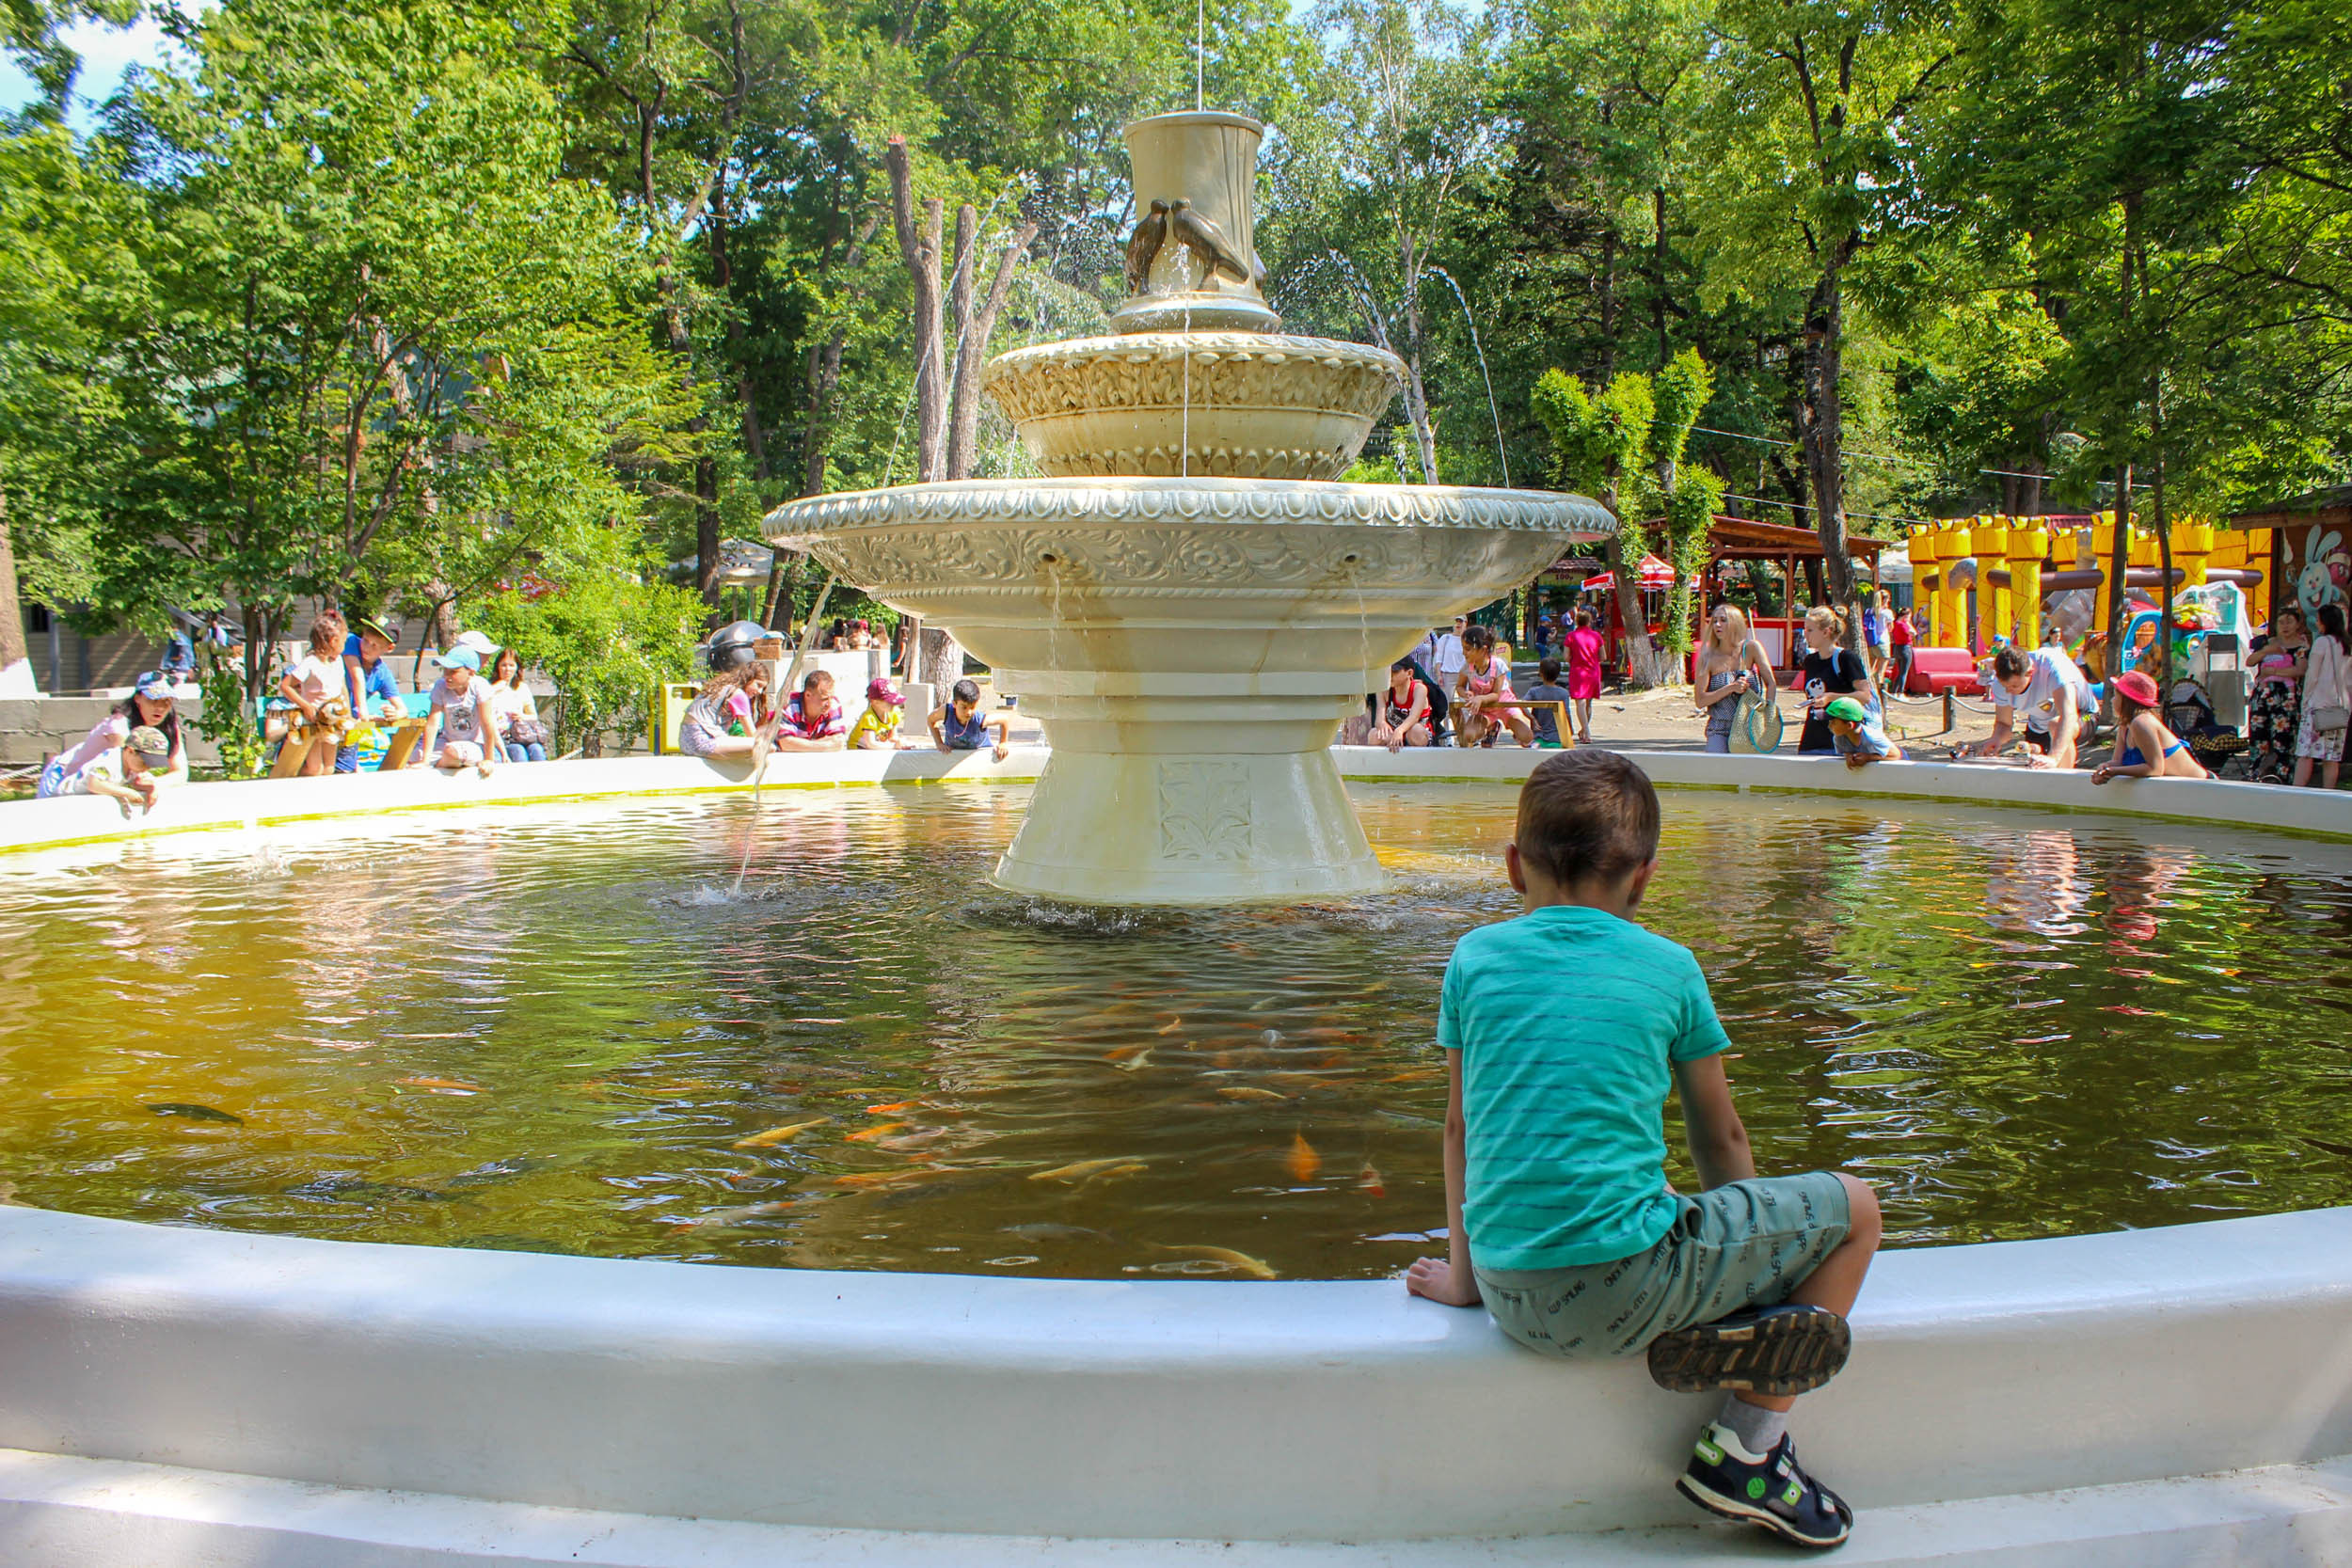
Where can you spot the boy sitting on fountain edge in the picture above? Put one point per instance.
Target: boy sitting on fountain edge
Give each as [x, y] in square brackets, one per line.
[1560, 1217]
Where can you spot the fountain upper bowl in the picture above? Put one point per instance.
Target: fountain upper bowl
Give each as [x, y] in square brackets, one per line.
[1217, 404]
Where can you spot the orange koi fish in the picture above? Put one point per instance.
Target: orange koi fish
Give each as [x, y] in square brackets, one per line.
[778, 1135]
[1081, 1169]
[1240, 1262]
[1303, 1161]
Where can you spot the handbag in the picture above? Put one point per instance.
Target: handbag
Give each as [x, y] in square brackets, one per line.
[1758, 725]
[2327, 717]
[528, 731]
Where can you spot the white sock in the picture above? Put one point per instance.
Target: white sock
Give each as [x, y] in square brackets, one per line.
[1758, 1430]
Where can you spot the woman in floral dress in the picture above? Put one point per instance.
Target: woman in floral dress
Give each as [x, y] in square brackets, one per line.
[2276, 708]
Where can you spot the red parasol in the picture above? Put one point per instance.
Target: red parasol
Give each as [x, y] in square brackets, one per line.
[1654, 576]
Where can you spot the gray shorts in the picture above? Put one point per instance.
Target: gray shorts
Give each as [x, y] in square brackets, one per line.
[1747, 1244]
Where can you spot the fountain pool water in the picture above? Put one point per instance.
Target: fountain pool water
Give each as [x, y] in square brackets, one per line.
[1952, 1003]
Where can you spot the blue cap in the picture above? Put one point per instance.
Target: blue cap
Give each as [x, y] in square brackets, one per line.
[458, 658]
[155, 685]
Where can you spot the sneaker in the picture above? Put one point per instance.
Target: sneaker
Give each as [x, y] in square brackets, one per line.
[1772, 1493]
[1776, 1350]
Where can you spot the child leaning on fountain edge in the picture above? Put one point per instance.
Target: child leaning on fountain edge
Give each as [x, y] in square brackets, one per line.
[1560, 1217]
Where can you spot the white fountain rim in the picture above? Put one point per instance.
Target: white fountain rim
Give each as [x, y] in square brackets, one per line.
[1195, 500]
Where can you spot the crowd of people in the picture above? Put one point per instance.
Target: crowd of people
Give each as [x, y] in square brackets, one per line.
[338, 702]
[1455, 688]
[344, 693]
[732, 717]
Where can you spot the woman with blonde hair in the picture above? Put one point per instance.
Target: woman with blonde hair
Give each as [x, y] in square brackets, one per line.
[1731, 666]
[1878, 626]
[1828, 670]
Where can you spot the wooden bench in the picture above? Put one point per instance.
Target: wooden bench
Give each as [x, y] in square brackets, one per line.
[407, 734]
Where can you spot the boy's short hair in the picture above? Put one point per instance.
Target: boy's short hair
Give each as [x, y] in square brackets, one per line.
[2009, 662]
[1587, 815]
[1548, 669]
[965, 691]
[1478, 637]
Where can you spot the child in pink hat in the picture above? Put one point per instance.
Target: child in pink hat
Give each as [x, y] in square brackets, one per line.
[877, 728]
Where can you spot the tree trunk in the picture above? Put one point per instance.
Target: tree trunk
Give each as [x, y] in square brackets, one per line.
[1658, 261]
[12, 649]
[1641, 655]
[941, 661]
[1608, 369]
[975, 323]
[2119, 561]
[1821, 436]
[920, 249]
[2163, 566]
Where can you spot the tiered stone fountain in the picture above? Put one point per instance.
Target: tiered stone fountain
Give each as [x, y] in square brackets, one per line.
[1189, 600]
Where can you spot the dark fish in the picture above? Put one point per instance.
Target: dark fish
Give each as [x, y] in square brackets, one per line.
[499, 1170]
[2331, 1146]
[1046, 1231]
[336, 1189]
[195, 1113]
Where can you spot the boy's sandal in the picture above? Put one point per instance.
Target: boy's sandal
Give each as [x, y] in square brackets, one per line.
[1776, 1350]
[1772, 1493]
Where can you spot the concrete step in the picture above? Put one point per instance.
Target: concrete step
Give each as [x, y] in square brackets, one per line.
[58, 1511]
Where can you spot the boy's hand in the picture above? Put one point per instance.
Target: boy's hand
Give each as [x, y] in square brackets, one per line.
[1434, 1278]
[1855, 759]
[1003, 751]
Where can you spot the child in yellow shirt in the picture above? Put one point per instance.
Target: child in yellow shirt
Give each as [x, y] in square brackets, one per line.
[877, 728]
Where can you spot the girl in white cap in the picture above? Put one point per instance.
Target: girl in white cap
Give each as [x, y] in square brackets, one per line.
[459, 729]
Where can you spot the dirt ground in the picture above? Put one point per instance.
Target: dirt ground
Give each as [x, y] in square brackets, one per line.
[1664, 719]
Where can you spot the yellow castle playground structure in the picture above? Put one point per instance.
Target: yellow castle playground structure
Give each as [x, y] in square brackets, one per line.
[1987, 579]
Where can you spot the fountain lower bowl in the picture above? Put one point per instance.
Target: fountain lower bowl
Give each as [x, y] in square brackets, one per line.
[1190, 645]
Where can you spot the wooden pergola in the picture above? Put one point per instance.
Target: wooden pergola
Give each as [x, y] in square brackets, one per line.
[1790, 548]
[1793, 549]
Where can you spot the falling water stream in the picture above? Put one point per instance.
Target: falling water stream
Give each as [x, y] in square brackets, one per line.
[1501, 454]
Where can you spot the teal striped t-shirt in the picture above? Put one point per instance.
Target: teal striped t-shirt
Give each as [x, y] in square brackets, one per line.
[1569, 1020]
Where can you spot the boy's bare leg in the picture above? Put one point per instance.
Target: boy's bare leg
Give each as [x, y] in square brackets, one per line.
[1835, 1284]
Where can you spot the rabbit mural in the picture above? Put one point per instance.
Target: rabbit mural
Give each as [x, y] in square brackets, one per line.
[2327, 574]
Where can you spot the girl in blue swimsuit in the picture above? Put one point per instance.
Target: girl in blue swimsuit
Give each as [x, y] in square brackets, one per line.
[2143, 734]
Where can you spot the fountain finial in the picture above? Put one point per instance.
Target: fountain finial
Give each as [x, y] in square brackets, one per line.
[1192, 261]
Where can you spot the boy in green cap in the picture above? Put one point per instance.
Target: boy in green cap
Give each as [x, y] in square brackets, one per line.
[1859, 741]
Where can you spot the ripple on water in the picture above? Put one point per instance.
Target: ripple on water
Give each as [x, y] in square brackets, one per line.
[570, 1032]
